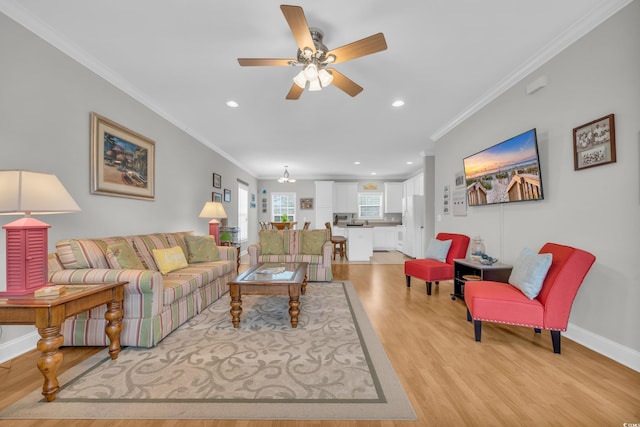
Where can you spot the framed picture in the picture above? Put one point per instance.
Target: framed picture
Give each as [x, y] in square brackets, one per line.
[594, 143]
[306, 203]
[122, 161]
[217, 181]
[216, 197]
[460, 179]
[227, 195]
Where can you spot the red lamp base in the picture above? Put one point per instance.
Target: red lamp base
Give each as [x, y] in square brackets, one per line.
[214, 230]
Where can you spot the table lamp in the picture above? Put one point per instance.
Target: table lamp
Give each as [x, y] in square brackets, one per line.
[216, 211]
[29, 193]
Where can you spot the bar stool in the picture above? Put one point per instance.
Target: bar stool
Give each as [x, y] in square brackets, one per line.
[339, 243]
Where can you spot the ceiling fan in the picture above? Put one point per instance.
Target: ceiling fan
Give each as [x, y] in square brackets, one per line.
[314, 57]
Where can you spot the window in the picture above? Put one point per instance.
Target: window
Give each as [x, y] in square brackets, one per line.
[283, 203]
[370, 205]
[243, 211]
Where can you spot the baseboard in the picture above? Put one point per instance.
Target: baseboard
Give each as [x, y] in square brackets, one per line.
[17, 346]
[611, 349]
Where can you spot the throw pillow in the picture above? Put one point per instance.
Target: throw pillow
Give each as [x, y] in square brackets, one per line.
[202, 249]
[529, 272]
[271, 243]
[121, 256]
[169, 260]
[312, 241]
[438, 249]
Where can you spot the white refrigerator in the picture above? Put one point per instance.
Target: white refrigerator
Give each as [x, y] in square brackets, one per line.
[413, 221]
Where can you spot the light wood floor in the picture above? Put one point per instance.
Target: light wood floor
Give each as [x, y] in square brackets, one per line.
[512, 378]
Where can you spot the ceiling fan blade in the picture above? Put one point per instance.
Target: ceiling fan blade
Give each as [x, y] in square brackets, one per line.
[344, 83]
[366, 46]
[254, 62]
[294, 92]
[299, 27]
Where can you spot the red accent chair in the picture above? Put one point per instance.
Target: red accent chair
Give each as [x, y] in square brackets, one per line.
[431, 270]
[503, 303]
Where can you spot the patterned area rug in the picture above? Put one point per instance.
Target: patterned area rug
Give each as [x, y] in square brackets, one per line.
[331, 366]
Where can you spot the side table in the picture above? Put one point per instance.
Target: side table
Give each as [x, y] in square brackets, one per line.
[468, 269]
[48, 314]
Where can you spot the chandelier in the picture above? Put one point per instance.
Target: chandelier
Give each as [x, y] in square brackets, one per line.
[285, 178]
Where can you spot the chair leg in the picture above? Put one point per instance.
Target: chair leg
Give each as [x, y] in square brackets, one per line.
[555, 339]
[428, 288]
[408, 281]
[469, 318]
[477, 327]
[537, 330]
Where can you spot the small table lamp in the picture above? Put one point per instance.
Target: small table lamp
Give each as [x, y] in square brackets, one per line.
[26, 193]
[216, 211]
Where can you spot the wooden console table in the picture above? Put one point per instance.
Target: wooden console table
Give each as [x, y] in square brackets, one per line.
[468, 269]
[48, 314]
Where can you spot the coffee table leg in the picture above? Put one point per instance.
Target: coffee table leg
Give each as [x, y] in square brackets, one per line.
[304, 285]
[50, 359]
[114, 327]
[294, 304]
[236, 304]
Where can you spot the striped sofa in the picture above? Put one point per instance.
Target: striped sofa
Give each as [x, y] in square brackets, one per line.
[154, 304]
[295, 250]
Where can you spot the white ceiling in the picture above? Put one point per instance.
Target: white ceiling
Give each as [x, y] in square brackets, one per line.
[445, 59]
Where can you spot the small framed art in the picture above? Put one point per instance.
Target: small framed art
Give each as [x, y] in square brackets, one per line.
[594, 143]
[216, 197]
[227, 195]
[217, 181]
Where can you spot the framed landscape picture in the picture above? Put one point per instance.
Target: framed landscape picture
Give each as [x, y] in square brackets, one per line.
[594, 143]
[122, 161]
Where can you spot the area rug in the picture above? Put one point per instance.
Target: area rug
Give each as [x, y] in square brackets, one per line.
[332, 366]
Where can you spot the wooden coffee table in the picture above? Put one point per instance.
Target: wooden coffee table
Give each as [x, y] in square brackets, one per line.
[48, 314]
[270, 279]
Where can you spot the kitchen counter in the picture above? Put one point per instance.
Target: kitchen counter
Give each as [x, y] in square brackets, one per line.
[370, 225]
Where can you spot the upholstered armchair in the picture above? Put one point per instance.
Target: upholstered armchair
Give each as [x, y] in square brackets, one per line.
[522, 301]
[438, 264]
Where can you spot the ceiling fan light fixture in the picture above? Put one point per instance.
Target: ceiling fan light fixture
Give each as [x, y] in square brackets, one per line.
[311, 71]
[300, 79]
[330, 59]
[314, 85]
[285, 178]
[325, 77]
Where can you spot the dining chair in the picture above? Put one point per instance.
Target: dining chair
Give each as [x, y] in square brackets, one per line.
[339, 243]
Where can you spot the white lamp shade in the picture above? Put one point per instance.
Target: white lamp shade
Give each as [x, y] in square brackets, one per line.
[325, 77]
[300, 79]
[314, 85]
[311, 72]
[213, 210]
[25, 192]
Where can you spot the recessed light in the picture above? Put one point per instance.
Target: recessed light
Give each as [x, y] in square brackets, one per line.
[409, 163]
[232, 104]
[398, 103]
[356, 163]
[373, 173]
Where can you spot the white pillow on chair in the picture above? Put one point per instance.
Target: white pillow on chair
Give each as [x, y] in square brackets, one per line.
[438, 249]
[529, 272]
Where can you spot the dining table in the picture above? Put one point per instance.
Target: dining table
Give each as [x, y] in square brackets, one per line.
[289, 225]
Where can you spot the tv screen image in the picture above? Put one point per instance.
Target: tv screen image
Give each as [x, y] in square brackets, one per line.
[506, 172]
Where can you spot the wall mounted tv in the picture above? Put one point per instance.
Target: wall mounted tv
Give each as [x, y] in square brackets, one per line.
[507, 172]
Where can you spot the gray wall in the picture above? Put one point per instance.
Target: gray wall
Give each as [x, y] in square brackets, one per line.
[45, 102]
[596, 209]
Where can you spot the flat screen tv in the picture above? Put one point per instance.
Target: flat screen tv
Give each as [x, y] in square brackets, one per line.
[507, 172]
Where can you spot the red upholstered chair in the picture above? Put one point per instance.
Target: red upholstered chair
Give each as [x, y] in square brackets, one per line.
[431, 270]
[503, 303]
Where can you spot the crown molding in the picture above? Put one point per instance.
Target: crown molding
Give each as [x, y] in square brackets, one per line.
[591, 20]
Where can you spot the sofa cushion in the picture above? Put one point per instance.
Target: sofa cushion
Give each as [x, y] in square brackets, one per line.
[201, 249]
[144, 245]
[122, 256]
[170, 259]
[529, 272]
[438, 249]
[271, 243]
[312, 241]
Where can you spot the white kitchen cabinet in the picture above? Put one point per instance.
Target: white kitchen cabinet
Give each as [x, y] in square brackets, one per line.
[378, 238]
[345, 197]
[385, 238]
[324, 203]
[393, 192]
[360, 243]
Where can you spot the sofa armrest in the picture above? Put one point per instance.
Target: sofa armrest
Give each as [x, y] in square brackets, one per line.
[254, 250]
[327, 254]
[228, 253]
